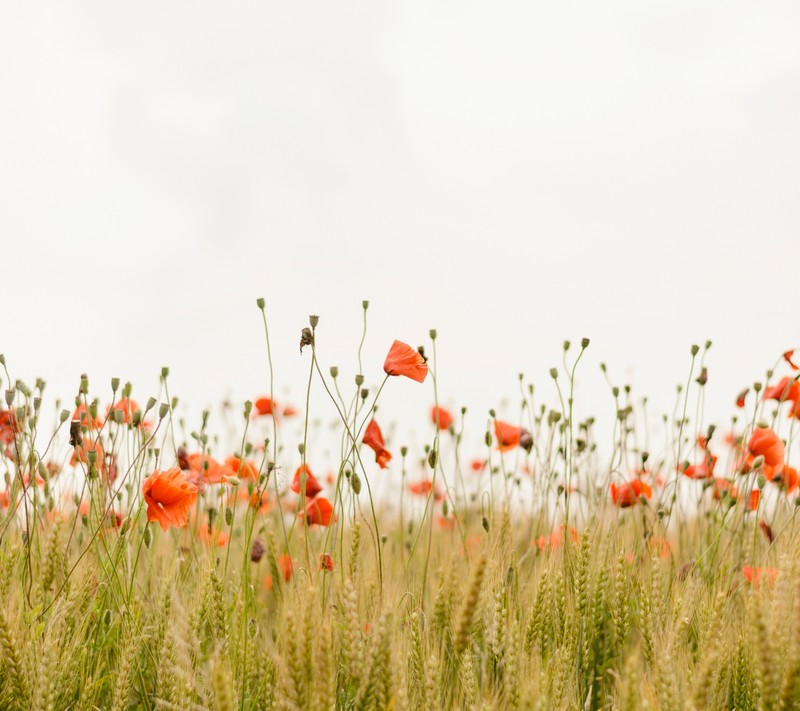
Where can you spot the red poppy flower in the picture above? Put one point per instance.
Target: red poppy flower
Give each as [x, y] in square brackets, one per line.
[785, 477]
[788, 358]
[244, 470]
[507, 435]
[441, 417]
[754, 575]
[703, 469]
[424, 487]
[126, 406]
[313, 487]
[319, 512]
[82, 415]
[213, 537]
[629, 494]
[402, 359]
[169, 495]
[373, 438]
[206, 469]
[787, 390]
[556, 539]
[764, 442]
[265, 406]
[289, 411]
[80, 453]
[326, 563]
[477, 465]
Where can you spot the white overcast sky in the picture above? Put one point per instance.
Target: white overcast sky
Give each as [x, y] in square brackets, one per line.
[512, 174]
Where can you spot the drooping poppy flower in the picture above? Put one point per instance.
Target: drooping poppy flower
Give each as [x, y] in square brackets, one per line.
[244, 470]
[313, 487]
[630, 493]
[765, 443]
[265, 406]
[319, 512]
[788, 358]
[740, 398]
[754, 575]
[169, 496]
[402, 359]
[373, 438]
[441, 417]
[507, 435]
[703, 469]
[326, 563]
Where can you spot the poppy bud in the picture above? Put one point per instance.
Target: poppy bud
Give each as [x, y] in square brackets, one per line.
[567, 344]
[2, 359]
[488, 439]
[761, 481]
[485, 524]
[248, 406]
[107, 618]
[603, 367]
[334, 371]
[91, 456]
[313, 320]
[554, 373]
[432, 334]
[234, 481]
[757, 387]
[118, 416]
[584, 342]
[228, 515]
[260, 302]
[695, 350]
[355, 482]
[257, 550]
[432, 459]
[708, 345]
[301, 448]
[758, 462]
[359, 380]
[147, 536]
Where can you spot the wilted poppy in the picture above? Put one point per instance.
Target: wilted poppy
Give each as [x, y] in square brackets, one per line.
[326, 562]
[373, 438]
[507, 435]
[313, 487]
[765, 443]
[628, 494]
[169, 495]
[319, 512]
[441, 417]
[402, 359]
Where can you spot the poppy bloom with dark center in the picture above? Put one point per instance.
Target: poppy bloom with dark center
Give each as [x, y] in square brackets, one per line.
[313, 487]
[765, 443]
[629, 494]
[402, 359]
[507, 435]
[169, 496]
[441, 417]
[373, 438]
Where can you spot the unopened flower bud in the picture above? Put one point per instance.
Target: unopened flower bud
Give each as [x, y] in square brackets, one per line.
[365, 304]
[567, 344]
[151, 403]
[364, 393]
[432, 334]
[432, 458]
[758, 462]
[355, 482]
[553, 373]
[695, 350]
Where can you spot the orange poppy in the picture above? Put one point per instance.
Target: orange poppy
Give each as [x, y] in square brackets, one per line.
[785, 477]
[169, 495]
[81, 450]
[373, 438]
[423, 487]
[507, 435]
[556, 538]
[788, 358]
[326, 563]
[289, 411]
[313, 487]
[265, 406]
[765, 443]
[629, 494]
[286, 566]
[319, 512]
[402, 359]
[206, 469]
[82, 415]
[441, 417]
[754, 575]
[213, 537]
[787, 390]
[244, 470]
[477, 465]
[127, 407]
[703, 469]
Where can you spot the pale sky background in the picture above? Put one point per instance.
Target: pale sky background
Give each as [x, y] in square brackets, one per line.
[512, 174]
